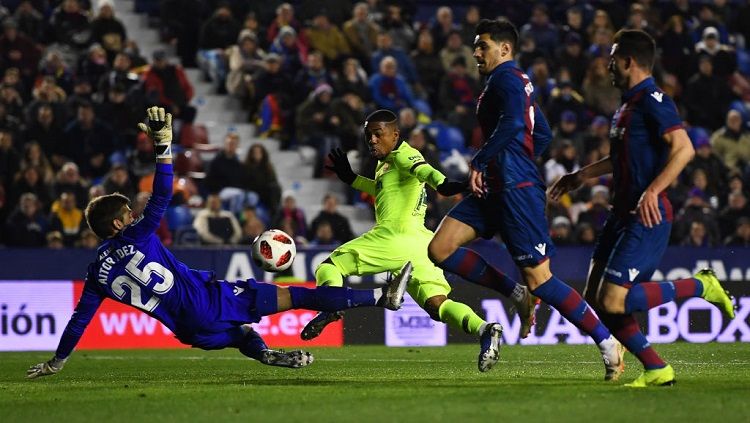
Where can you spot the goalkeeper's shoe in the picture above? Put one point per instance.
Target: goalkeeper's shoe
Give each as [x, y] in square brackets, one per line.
[315, 327]
[489, 354]
[393, 294]
[614, 361]
[714, 293]
[654, 377]
[291, 359]
[526, 309]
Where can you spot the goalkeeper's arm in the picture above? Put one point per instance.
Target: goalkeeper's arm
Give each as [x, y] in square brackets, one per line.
[159, 129]
[84, 312]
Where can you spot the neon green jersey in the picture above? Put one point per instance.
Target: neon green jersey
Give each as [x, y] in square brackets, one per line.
[398, 188]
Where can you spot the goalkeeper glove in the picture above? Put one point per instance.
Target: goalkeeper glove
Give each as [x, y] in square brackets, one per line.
[450, 188]
[159, 129]
[47, 368]
[341, 166]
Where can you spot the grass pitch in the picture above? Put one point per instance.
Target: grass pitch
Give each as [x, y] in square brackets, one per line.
[532, 383]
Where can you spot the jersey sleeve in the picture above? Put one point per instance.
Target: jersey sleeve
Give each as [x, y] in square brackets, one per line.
[90, 300]
[662, 111]
[156, 205]
[364, 184]
[512, 98]
[542, 133]
[412, 161]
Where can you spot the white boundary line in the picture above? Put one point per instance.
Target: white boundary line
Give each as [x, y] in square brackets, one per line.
[393, 360]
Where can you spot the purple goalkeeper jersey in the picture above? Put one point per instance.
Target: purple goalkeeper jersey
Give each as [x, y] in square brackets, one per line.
[135, 268]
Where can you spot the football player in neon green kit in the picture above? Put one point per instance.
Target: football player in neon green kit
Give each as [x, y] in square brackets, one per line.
[399, 235]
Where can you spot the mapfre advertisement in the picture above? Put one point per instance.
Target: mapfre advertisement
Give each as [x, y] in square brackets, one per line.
[412, 326]
[33, 315]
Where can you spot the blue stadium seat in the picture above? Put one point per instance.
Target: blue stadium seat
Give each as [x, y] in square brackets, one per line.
[446, 137]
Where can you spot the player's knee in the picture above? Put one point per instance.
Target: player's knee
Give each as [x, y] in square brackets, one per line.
[432, 306]
[438, 251]
[611, 303]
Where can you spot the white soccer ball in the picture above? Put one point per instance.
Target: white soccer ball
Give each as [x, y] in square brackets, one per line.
[274, 251]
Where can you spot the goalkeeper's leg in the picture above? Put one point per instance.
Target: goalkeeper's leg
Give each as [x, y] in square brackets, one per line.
[252, 345]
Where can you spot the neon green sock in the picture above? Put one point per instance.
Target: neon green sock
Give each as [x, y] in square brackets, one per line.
[328, 274]
[460, 316]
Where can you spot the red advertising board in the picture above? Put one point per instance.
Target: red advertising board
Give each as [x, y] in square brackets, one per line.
[118, 326]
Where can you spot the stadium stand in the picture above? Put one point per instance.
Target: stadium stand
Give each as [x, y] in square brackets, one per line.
[297, 80]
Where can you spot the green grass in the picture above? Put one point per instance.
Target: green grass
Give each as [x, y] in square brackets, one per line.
[533, 383]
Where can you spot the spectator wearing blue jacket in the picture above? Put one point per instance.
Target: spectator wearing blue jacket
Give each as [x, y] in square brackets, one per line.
[389, 89]
[386, 48]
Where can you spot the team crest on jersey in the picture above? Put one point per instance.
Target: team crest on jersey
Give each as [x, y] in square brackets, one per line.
[529, 87]
[657, 96]
[617, 132]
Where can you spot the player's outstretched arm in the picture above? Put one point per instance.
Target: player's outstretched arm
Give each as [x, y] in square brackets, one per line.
[159, 129]
[84, 312]
[573, 181]
[343, 169]
[414, 163]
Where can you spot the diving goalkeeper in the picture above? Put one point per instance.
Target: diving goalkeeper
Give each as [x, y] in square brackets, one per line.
[399, 235]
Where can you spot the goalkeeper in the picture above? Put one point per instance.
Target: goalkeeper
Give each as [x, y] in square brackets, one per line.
[133, 267]
[399, 235]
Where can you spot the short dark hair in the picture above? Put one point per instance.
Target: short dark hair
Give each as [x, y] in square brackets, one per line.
[101, 211]
[382, 115]
[637, 44]
[500, 30]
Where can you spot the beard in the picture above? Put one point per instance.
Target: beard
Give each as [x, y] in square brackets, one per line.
[618, 79]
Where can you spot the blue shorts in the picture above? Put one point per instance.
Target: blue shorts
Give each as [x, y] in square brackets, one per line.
[631, 250]
[240, 303]
[517, 215]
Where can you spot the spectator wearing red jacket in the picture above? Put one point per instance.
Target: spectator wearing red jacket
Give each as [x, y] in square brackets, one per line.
[168, 86]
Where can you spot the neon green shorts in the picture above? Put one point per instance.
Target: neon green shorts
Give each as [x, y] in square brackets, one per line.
[383, 249]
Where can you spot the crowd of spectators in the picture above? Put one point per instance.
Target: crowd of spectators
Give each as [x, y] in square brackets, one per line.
[74, 85]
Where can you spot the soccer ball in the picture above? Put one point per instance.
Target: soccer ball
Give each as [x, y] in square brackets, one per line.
[274, 251]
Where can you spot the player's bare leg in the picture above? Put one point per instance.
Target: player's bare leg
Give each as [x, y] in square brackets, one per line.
[446, 251]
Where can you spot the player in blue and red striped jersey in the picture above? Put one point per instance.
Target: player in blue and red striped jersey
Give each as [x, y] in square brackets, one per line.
[649, 150]
[508, 196]
[133, 267]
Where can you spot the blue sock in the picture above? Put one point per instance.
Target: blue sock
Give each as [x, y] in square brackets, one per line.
[252, 345]
[647, 295]
[327, 298]
[474, 268]
[572, 306]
